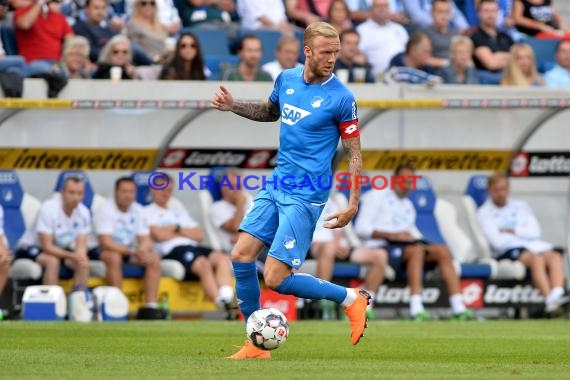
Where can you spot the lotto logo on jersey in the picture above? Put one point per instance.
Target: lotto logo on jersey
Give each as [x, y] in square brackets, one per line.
[291, 115]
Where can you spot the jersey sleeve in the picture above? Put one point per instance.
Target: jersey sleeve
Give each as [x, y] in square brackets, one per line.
[85, 227]
[141, 224]
[220, 213]
[186, 221]
[274, 97]
[44, 222]
[347, 118]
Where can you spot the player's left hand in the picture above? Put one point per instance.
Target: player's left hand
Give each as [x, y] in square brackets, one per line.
[341, 218]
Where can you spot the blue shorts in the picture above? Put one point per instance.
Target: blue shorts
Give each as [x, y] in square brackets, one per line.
[284, 223]
[511, 254]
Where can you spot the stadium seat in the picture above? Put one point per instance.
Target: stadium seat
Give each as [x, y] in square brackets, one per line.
[458, 241]
[143, 191]
[217, 64]
[91, 200]
[544, 52]
[423, 198]
[212, 41]
[475, 196]
[269, 40]
[207, 198]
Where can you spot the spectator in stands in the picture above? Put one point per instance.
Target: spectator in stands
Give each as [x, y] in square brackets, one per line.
[124, 237]
[491, 54]
[505, 20]
[227, 213]
[304, 12]
[13, 63]
[144, 29]
[461, 69]
[59, 233]
[94, 28]
[387, 219]
[419, 12]
[176, 236]
[521, 70]
[187, 63]
[74, 62]
[250, 51]
[559, 75]
[380, 38]
[5, 257]
[351, 59]
[40, 32]
[117, 52]
[338, 16]
[98, 32]
[538, 18]
[440, 33]
[267, 14]
[206, 13]
[286, 56]
[513, 231]
[167, 15]
[360, 11]
[330, 245]
[412, 66]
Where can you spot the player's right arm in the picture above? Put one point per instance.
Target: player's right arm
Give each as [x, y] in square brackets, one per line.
[257, 111]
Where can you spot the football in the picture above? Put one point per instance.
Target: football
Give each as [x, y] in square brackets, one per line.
[267, 328]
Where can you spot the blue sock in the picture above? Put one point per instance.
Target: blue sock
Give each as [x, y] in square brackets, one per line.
[247, 287]
[306, 286]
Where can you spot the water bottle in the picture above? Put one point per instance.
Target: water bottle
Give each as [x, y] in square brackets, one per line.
[164, 305]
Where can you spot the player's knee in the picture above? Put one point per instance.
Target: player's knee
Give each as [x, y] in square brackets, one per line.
[272, 278]
[201, 265]
[240, 255]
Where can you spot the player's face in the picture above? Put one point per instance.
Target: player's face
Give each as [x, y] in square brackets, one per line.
[161, 197]
[288, 55]
[125, 194]
[72, 194]
[499, 192]
[322, 56]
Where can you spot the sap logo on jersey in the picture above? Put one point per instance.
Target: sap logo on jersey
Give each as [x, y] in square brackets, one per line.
[290, 115]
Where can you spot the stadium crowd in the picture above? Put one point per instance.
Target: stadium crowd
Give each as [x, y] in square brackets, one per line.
[507, 42]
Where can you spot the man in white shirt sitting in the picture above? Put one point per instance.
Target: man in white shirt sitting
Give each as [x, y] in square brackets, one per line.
[176, 236]
[387, 219]
[59, 233]
[286, 56]
[514, 233]
[330, 245]
[124, 237]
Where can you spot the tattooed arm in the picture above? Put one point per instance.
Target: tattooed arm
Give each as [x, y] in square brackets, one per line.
[258, 111]
[352, 149]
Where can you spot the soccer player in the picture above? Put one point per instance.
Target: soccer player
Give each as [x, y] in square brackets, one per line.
[387, 219]
[124, 237]
[514, 233]
[59, 233]
[315, 109]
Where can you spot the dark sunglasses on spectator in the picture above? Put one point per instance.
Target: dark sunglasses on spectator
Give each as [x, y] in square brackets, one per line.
[120, 51]
[145, 3]
[184, 46]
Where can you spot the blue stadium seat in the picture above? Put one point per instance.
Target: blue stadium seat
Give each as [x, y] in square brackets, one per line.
[11, 197]
[218, 63]
[477, 188]
[423, 198]
[143, 189]
[89, 193]
[8, 35]
[544, 51]
[269, 40]
[212, 41]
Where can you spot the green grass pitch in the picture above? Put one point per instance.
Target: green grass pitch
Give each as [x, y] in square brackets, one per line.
[315, 350]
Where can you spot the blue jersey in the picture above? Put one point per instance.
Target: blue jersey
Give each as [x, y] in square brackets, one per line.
[313, 117]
